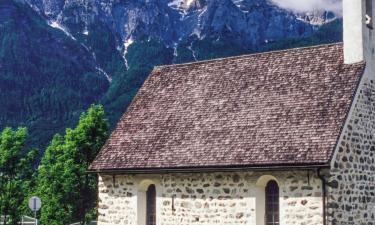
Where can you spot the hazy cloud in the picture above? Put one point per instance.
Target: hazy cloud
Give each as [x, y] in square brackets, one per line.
[309, 5]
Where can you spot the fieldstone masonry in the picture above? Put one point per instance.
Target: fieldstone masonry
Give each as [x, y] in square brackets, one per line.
[211, 198]
[352, 182]
[117, 200]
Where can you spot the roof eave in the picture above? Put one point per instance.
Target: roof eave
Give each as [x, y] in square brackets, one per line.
[210, 169]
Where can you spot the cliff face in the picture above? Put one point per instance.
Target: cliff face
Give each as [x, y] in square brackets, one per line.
[249, 22]
[317, 17]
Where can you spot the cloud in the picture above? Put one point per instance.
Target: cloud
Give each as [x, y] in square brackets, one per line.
[309, 5]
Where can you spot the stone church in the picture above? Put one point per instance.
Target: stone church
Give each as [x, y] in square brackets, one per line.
[277, 138]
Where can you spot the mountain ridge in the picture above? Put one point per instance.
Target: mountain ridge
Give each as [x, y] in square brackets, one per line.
[257, 21]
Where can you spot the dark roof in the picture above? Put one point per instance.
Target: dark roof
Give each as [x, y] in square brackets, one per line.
[261, 110]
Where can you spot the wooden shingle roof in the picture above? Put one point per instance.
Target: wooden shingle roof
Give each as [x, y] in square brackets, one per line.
[283, 108]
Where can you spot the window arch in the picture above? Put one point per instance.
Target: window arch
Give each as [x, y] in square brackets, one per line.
[151, 205]
[272, 214]
[147, 201]
[261, 198]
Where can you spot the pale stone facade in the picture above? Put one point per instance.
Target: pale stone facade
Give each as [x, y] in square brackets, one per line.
[352, 181]
[210, 198]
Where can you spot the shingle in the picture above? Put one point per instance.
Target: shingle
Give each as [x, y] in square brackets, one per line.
[276, 108]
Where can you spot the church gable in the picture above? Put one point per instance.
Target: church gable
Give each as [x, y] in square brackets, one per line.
[353, 165]
[282, 108]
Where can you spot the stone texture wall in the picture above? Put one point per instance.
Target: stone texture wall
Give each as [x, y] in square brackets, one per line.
[117, 200]
[211, 198]
[351, 196]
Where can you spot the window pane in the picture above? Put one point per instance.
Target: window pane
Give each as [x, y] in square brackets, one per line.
[272, 203]
[151, 205]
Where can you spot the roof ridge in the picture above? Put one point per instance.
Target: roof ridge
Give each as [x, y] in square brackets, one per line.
[247, 55]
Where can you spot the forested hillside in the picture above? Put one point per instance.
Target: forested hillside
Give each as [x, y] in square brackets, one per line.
[46, 78]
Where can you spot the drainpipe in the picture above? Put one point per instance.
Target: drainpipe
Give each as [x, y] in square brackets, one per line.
[324, 184]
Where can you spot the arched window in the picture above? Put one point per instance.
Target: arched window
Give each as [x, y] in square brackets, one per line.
[272, 203]
[151, 205]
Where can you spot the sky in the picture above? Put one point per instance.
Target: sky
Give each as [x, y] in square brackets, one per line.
[307, 5]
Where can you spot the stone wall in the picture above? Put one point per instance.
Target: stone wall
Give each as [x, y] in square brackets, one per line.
[210, 198]
[117, 200]
[351, 196]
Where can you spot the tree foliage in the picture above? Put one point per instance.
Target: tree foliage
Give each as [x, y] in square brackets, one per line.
[16, 172]
[66, 189]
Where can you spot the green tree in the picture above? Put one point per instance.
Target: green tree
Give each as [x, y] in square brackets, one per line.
[15, 173]
[56, 209]
[67, 190]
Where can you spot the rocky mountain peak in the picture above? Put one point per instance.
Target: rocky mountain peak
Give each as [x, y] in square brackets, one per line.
[317, 17]
[186, 5]
[252, 21]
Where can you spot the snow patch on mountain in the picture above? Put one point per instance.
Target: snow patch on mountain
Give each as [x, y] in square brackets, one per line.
[189, 2]
[127, 43]
[190, 47]
[241, 5]
[100, 70]
[57, 25]
[176, 3]
[181, 4]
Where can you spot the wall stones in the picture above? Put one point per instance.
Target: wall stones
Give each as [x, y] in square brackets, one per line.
[207, 199]
[352, 182]
[117, 200]
[211, 198]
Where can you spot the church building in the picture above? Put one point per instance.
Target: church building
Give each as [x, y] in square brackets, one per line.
[276, 138]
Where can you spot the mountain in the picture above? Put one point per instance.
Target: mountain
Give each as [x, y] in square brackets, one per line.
[249, 22]
[59, 56]
[46, 78]
[317, 17]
